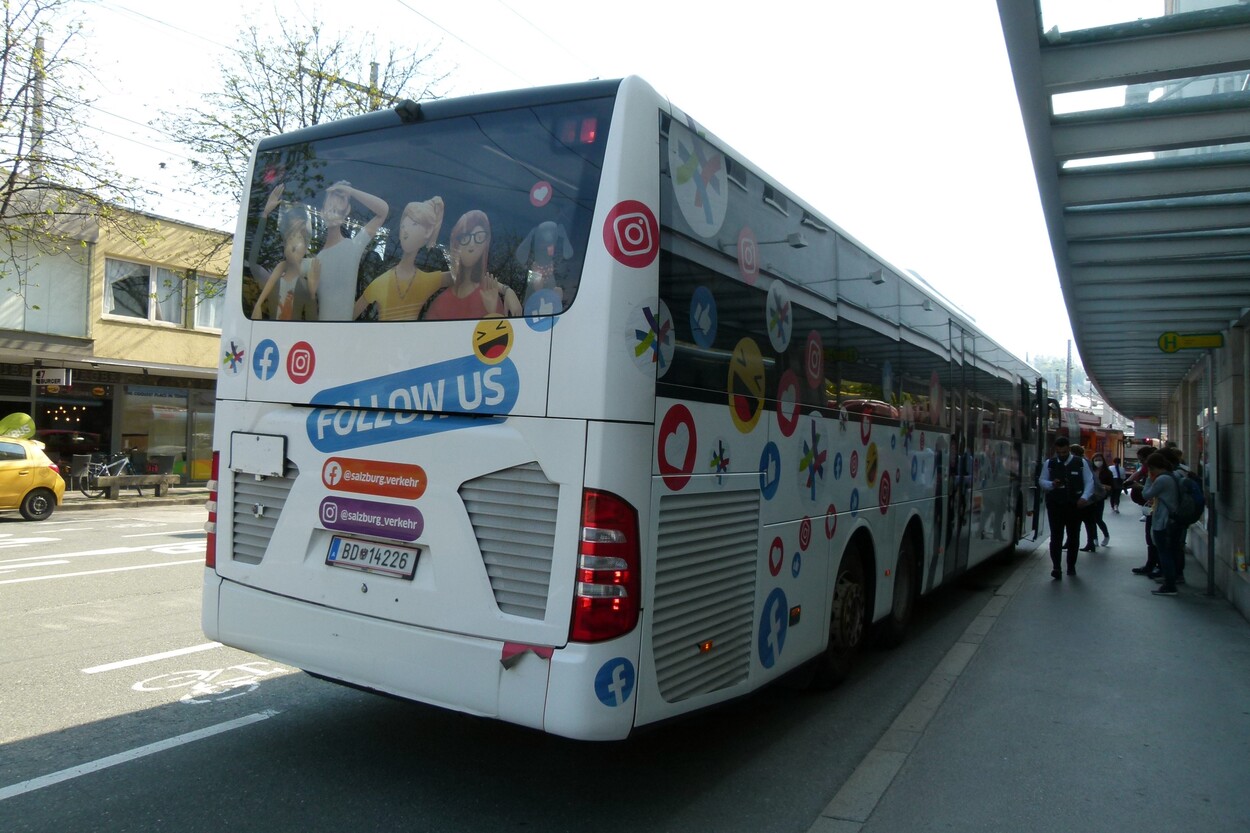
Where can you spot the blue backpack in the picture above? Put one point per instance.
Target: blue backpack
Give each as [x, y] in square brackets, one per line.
[1192, 502]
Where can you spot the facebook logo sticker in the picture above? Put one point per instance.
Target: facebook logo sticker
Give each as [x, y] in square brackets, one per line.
[773, 623]
[265, 360]
[615, 682]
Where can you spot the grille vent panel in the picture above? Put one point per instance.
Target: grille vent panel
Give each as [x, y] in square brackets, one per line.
[704, 590]
[252, 533]
[513, 513]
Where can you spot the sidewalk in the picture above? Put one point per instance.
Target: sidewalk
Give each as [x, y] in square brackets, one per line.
[176, 496]
[1085, 704]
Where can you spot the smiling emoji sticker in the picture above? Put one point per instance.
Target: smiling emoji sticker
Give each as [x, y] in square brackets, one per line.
[492, 340]
[746, 385]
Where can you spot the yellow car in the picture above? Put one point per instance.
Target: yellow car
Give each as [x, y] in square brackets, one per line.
[29, 480]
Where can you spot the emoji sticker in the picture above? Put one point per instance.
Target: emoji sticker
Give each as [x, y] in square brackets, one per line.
[492, 340]
[870, 464]
[746, 385]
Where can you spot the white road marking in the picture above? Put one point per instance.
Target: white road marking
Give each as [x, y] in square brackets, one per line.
[21, 542]
[83, 554]
[98, 572]
[31, 564]
[198, 529]
[131, 755]
[126, 663]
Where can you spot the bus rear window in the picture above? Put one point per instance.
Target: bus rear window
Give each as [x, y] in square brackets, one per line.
[459, 218]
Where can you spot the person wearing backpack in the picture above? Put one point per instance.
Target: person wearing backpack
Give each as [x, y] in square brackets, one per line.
[1068, 483]
[1164, 489]
[1190, 505]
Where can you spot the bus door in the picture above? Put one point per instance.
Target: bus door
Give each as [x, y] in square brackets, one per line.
[1033, 451]
[959, 461]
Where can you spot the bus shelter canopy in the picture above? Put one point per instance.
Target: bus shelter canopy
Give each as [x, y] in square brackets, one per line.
[1140, 137]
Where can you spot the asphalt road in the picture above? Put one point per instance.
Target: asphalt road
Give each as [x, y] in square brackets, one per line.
[120, 715]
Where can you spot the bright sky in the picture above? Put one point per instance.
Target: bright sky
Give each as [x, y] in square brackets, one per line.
[898, 120]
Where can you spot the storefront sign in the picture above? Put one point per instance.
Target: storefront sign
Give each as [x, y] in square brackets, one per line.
[52, 376]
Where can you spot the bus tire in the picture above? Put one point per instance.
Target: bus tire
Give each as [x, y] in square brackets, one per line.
[847, 619]
[891, 630]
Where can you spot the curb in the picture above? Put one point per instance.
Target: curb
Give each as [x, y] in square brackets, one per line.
[87, 504]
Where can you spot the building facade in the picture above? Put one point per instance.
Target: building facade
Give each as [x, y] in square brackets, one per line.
[109, 339]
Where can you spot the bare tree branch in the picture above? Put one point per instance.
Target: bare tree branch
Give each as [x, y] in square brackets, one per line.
[57, 187]
[276, 83]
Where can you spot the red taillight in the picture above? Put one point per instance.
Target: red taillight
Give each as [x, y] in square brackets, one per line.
[210, 544]
[607, 596]
[590, 129]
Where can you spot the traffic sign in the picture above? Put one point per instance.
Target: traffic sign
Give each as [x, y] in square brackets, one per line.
[1171, 342]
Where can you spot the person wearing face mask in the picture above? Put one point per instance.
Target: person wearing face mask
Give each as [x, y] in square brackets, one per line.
[1093, 513]
[1068, 484]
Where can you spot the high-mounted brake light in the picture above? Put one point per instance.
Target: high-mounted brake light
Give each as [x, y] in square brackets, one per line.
[210, 544]
[608, 595]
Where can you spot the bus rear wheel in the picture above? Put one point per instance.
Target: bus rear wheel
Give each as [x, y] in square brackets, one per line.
[847, 618]
[893, 628]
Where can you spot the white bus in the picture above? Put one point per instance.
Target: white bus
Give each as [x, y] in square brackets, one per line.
[589, 423]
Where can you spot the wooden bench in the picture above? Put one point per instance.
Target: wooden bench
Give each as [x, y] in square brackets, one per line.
[160, 482]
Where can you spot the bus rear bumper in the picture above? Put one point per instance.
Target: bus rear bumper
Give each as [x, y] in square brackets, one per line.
[447, 670]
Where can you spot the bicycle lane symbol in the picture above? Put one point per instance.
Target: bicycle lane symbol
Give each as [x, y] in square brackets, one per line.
[215, 685]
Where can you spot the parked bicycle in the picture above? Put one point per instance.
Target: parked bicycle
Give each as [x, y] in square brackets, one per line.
[89, 484]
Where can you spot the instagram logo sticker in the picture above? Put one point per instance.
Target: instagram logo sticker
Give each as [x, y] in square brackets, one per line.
[631, 234]
[300, 362]
[748, 256]
[814, 360]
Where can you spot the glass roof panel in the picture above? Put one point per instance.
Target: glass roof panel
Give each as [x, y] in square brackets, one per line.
[1157, 96]
[1075, 15]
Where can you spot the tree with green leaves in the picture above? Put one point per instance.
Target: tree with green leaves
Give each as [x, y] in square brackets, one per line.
[300, 76]
[57, 188]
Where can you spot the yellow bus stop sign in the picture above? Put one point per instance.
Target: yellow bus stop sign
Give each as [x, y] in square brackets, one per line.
[1171, 342]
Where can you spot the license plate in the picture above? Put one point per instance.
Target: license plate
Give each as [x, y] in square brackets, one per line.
[373, 557]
